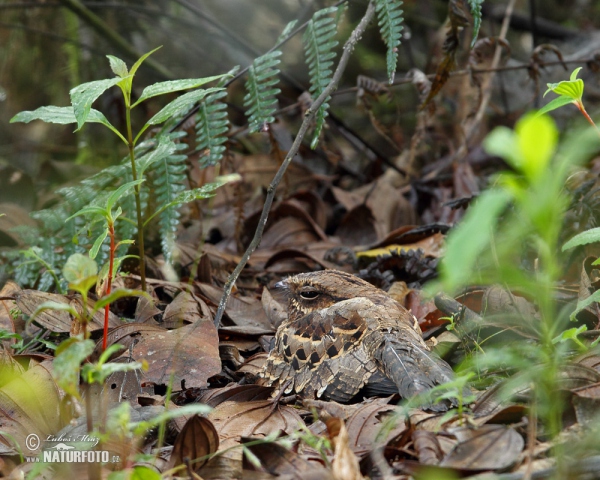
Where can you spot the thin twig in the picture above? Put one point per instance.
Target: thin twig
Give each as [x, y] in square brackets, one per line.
[310, 114]
[487, 83]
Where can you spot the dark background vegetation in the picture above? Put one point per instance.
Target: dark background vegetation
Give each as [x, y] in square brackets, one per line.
[46, 49]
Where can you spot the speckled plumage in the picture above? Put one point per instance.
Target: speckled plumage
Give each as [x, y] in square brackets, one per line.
[343, 334]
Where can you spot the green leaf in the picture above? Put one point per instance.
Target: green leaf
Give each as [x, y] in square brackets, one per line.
[472, 236]
[139, 62]
[554, 104]
[118, 66]
[175, 86]
[583, 304]
[205, 191]
[98, 243]
[583, 238]
[78, 267]
[91, 210]
[62, 116]
[119, 192]
[165, 147]
[116, 294]
[570, 334]
[537, 137]
[85, 94]
[54, 306]
[67, 363]
[180, 104]
[572, 88]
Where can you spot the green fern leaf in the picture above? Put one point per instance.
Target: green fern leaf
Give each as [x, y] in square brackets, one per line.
[390, 19]
[169, 180]
[319, 43]
[261, 98]
[475, 6]
[211, 125]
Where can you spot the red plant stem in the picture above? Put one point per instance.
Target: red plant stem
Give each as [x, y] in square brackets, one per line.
[585, 114]
[111, 234]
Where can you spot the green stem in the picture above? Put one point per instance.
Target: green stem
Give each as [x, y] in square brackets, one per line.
[138, 199]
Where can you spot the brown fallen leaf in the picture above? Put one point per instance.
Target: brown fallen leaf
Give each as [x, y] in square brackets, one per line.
[30, 404]
[234, 420]
[490, 447]
[366, 424]
[345, 464]
[58, 320]
[197, 439]
[277, 460]
[427, 447]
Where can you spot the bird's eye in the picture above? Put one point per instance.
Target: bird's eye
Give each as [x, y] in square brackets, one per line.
[309, 294]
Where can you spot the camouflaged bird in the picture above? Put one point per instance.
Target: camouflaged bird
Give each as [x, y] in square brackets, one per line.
[343, 336]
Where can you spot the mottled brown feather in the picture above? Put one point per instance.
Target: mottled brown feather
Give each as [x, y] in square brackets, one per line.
[340, 332]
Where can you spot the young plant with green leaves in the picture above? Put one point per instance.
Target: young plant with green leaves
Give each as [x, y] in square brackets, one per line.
[510, 236]
[81, 112]
[107, 215]
[571, 92]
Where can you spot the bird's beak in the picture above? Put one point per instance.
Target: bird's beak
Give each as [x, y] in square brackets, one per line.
[282, 285]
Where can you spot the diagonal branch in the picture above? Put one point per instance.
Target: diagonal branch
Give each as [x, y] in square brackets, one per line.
[309, 116]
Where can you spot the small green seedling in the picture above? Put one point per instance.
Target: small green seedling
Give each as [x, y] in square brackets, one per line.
[570, 91]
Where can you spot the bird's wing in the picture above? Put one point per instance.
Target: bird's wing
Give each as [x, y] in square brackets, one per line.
[412, 367]
[322, 352]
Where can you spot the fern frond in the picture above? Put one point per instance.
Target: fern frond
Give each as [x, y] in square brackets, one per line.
[475, 6]
[211, 124]
[319, 43]
[261, 98]
[169, 180]
[390, 18]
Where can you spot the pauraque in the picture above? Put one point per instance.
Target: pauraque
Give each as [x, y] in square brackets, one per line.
[344, 337]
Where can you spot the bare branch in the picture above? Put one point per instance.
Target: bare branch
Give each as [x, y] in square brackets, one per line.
[310, 114]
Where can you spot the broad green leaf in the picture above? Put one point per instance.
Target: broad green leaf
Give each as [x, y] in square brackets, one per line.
[181, 104]
[472, 236]
[570, 334]
[78, 267]
[137, 64]
[205, 191]
[583, 304]
[92, 210]
[119, 192]
[118, 66]
[98, 243]
[54, 306]
[583, 238]
[106, 354]
[60, 115]
[572, 88]
[116, 294]
[164, 148]
[554, 104]
[67, 363]
[84, 285]
[537, 137]
[49, 114]
[174, 86]
[85, 94]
